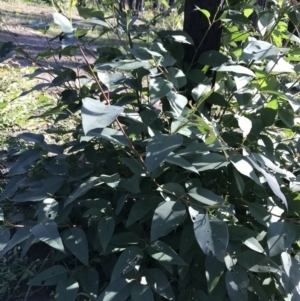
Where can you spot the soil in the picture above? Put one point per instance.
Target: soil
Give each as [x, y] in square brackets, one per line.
[14, 27]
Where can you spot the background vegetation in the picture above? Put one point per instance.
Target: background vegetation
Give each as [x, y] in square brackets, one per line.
[158, 178]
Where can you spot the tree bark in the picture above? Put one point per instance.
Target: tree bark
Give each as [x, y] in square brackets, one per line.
[196, 24]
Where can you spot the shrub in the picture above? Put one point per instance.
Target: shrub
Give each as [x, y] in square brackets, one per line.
[156, 199]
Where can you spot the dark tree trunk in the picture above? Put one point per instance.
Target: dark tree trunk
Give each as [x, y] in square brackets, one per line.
[197, 26]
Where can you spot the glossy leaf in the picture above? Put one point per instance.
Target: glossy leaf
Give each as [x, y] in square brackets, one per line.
[24, 161]
[48, 233]
[211, 235]
[167, 217]
[213, 271]
[237, 283]
[126, 262]
[256, 262]
[158, 88]
[106, 228]
[63, 22]
[140, 292]
[11, 187]
[158, 149]
[159, 283]
[280, 236]
[291, 268]
[89, 279]
[67, 289]
[138, 211]
[245, 168]
[75, 241]
[177, 102]
[205, 196]
[160, 251]
[21, 234]
[118, 290]
[82, 189]
[4, 237]
[96, 115]
[50, 276]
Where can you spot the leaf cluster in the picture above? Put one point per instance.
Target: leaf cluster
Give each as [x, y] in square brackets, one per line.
[155, 199]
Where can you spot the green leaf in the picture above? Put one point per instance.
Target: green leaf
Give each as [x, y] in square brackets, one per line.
[237, 232]
[208, 161]
[48, 209]
[11, 187]
[177, 160]
[253, 244]
[21, 234]
[256, 262]
[176, 35]
[167, 217]
[259, 50]
[205, 196]
[245, 125]
[89, 280]
[111, 180]
[138, 211]
[187, 239]
[201, 91]
[205, 12]
[82, 189]
[239, 181]
[237, 283]
[97, 115]
[50, 276]
[48, 233]
[211, 235]
[266, 22]
[158, 88]
[95, 21]
[49, 187]
[158, 149]
[67, 289]
[63, 23]
[110, 80]
[177, 77]
[280, 237]
[134, 165]
[159, 283]
[177, 102]
[291, 269]
[160, 251]
[25, 160]
[245, 168]
[212, 58]
[235, 69]
[109, 134]
[213, 271]
[125, 238]
[140, 292]
[286, 116]
[76, 242]
[126, 262]
[31, 137]
[272, 181]
[119, 290]
[122, 65]
[106, 227]
[268, 114]
[4, 237]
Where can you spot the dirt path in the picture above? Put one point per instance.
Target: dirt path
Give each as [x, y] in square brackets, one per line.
[14, 27]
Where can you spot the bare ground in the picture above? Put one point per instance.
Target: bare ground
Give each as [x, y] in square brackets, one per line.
[14, 27]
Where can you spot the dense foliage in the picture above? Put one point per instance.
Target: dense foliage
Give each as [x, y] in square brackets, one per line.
[156, 197]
